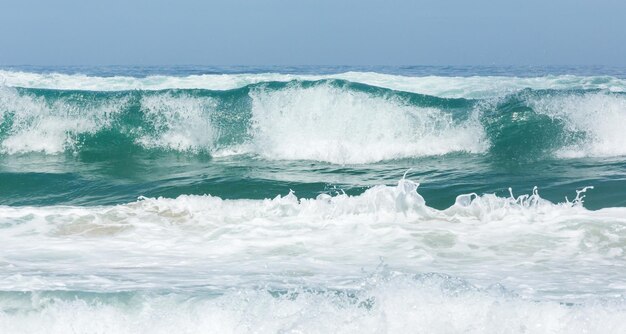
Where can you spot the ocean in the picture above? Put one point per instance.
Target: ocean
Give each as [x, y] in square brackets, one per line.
[312, 199]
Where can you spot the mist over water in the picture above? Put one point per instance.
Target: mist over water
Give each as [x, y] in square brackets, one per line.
[312, 200]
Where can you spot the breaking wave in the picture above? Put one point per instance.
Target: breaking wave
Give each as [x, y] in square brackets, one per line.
[330, 120]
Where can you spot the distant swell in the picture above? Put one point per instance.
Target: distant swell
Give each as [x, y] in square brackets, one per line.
[329, 120]
[453, 87]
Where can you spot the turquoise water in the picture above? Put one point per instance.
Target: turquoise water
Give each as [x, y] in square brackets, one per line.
[378, 199]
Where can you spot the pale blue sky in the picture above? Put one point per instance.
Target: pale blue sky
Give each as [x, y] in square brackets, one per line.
[281, 32]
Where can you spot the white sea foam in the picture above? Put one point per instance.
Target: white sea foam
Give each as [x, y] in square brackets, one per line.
[470, 87]
[204, 264]
[180, 123]
[337, 125]
[393, 304]
[483, 86]
[51, 127]
[536, 248]
[600, 117]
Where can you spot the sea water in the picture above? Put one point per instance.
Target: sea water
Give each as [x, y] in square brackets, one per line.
[312, 199]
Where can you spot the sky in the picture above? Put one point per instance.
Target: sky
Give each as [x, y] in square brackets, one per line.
[321, 32]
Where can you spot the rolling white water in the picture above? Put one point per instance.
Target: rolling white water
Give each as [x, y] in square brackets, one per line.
[351, 262]
[341, 234]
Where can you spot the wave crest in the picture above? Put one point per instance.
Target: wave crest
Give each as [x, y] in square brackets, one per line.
[338, 125]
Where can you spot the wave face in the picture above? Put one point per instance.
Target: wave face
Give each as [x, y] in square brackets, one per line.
[329, 120]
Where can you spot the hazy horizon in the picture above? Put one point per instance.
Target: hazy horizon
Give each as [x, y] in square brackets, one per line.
[277, 32]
